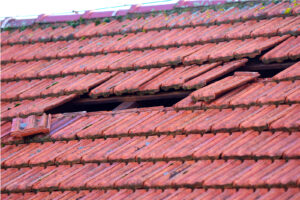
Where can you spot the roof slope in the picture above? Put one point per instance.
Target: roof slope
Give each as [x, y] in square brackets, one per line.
[235, 136]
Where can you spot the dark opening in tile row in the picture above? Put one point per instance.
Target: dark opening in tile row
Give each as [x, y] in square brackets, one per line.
[158, 121]
[257, 93]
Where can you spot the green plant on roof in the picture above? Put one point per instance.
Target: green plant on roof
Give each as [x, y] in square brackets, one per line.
[73, 23]
[51, 85]
[106, 20]
[295, 3]
[22, 28]
[81, 20]
[97, 22]
[119, 18]
[7, 29]
[82, 38]
[17, 104]
[287, 11]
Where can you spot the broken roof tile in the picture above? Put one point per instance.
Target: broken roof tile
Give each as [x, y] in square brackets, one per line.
[289, 49]
[31, 125]
[292, 72]
[214, 90]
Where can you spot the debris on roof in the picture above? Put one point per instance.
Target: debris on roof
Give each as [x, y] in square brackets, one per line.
[31, 125]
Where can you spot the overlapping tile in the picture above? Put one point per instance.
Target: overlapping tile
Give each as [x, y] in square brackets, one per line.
[247, 136]
[138, 59]
[160, 21]
[152, 175]
[37, 106]
[155, 79]
[147, 122]
[289, 49]
[291, 73]
[79, 84]
[250, 144]
[218, 88]
[179, 193]
[256, 93]
[139, 41]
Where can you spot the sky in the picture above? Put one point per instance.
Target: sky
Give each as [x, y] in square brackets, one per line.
[22, 9]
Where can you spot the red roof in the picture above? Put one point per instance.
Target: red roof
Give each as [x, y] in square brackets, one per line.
[235, 136]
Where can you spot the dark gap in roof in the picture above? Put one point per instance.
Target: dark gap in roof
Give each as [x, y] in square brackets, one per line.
[266, 70]
[70, 107]
[159, 102]
[85, 103]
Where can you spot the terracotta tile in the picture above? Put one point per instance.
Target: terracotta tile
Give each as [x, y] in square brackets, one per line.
[290, 28]
[277, 54]
[91, 125]
[98, 179]
[257, 194]
[49, 154]
[58, 175]
[78, 179]
[27, 173]
[267, 116]
[12, 196]
[71, 129]
[111, 122]
[74, 153]
[8, 177]
[288, 121]
[137, 176]
[214, 90]
[257, 179]
[290, 193]
[101, 151]
[217, 72]
[290, 72]
[93, 194]
[14, 159]
[206, 145]
[147, 124]
[170, 173]
[10, 151]
[129, 148]
[292, 148]
[281, 173]
[194, 126]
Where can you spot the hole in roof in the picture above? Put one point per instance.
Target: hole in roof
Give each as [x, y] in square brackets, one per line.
[266, 70]
[85, 103]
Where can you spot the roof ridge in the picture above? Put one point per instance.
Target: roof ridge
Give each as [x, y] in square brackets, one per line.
[134, 10]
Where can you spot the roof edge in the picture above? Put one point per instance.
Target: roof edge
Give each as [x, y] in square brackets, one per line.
[132, 11]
